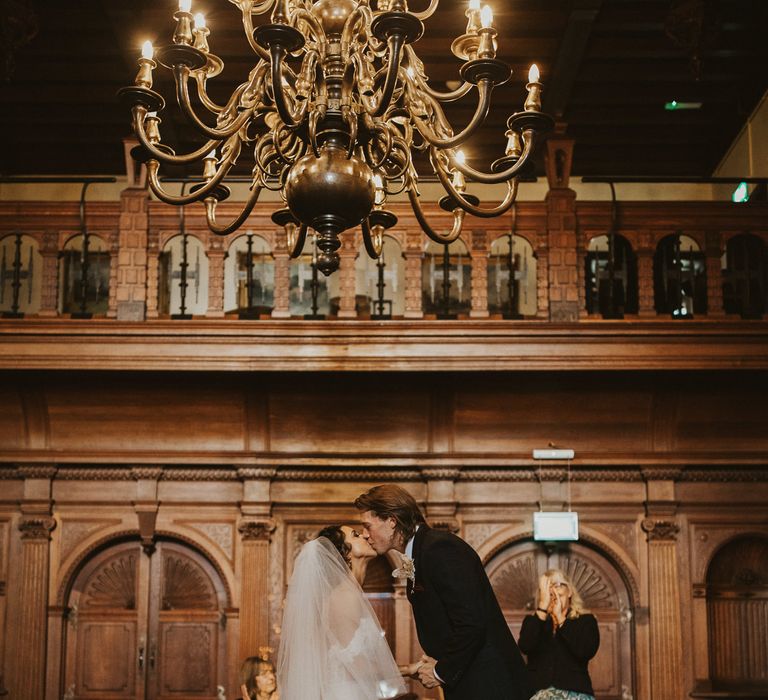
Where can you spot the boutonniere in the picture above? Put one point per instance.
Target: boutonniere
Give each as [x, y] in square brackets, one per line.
[406, 569]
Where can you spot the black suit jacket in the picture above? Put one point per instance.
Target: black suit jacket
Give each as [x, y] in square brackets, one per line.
[460, 623]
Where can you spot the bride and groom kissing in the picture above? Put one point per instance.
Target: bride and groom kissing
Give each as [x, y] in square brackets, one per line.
[332, 646]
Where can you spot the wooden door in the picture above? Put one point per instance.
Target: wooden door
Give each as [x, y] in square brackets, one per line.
[145, 628]
[514, 574]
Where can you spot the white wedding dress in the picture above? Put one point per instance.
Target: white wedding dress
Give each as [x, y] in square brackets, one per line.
[332, 646]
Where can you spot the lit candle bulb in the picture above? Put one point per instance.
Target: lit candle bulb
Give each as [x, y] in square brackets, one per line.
[486, 16]
[458, 176]
[201, 33]
[533, 101]
[487, 47]
[473, 16]
[146, 65]
[183, 33]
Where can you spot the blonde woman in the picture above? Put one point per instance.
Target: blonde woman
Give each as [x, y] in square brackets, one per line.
[559, 639]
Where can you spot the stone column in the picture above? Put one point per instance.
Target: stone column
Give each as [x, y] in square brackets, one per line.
[49, 293]
[413, 255]
[216, 256]
[132, 258]
[282, 305]
[665, 625]
[256, 528]
[479, 275]
[713, 249]
[347, 277]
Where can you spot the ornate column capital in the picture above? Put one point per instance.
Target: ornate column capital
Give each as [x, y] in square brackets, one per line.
[660, 530]
[256, 530]
[446, 524]
[38, 528]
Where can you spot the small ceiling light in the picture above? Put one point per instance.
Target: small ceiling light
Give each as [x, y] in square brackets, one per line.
[741, 193]
[674, 105]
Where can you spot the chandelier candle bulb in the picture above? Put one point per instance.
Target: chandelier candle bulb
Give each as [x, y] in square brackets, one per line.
[201, 33]
[146, 66]
[533, 101]
[184, 20]
[473, 16]
[487, 47]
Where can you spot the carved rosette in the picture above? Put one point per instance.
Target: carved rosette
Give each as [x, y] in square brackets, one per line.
[37, 528]
[256, 530]
[660, 530]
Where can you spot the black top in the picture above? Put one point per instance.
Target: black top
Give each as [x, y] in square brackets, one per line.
[560, 660]
[460, 623]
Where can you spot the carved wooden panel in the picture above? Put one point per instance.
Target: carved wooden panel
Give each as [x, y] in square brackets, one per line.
[106, 660]
[112, 585]
[190, 651]
[12, 423]
[185, 586]
[514, 574]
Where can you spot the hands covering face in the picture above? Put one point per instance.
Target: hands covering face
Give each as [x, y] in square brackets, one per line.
[554, 597]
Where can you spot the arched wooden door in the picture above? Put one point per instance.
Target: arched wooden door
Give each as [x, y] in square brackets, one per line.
[145, 627]
[514, 574]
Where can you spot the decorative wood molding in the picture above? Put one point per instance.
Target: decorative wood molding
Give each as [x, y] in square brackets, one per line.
[100, 344]
[255, 473]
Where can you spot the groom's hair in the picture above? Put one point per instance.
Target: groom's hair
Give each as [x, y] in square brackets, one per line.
[391, 501]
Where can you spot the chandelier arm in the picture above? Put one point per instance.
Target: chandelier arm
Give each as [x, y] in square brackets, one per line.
[181, 75]
[504, 175]
[373, 243]
[276, 65]
[349, 27]
[484, 88]
[302, 15]
[138, 127]
[426, 14]
[378, 109]
[248, 27]
[506, 204]
[154, 182]
[368, 150]
[458, 220]
[423, 85]
[202, 93]
[296, 241]
[237, 222]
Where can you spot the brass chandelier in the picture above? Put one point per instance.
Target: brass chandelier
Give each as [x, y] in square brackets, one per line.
[332, 112]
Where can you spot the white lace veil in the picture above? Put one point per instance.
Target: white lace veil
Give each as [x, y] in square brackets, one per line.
[332, 646]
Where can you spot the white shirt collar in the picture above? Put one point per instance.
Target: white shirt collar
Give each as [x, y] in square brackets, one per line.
[409, 544]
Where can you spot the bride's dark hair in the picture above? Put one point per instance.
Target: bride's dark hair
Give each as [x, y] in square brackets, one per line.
[335, 534]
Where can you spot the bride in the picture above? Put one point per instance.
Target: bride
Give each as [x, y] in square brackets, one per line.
[332, 646]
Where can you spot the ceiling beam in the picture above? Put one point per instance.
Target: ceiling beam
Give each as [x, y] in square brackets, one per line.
[569, 58]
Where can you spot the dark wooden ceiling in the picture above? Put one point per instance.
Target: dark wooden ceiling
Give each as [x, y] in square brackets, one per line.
[608, 66]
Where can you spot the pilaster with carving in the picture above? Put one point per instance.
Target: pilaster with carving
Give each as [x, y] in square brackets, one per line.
[441, 502]
[27, 673]
[282, 307]
[713, 248]
[49, 251]
[413, 255]
[347, 277]
[666, 665]
[114, 257]
[216, 255]
[645, 292]
[479, 275]
[153, 274]
[562, 276]
[131, 292]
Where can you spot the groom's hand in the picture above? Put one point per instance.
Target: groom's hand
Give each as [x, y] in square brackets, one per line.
[427, 675]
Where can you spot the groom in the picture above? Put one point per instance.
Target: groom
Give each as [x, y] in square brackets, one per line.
[473, 655]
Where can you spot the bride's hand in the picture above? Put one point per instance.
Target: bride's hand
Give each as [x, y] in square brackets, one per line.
[410, 670]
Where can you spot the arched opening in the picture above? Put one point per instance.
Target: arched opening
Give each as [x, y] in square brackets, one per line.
[512, 278]
[514, 572]
[249, 277]
[679, 277]
[380, 284]
[21, 275]
[611, 277]
[145, 627]
[737, 616]
[745, 276]
[183, 285]
[311, 292]
[84, 276]
[446, 275]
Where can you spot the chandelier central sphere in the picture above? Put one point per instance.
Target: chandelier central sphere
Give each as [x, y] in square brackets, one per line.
[330, 115]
